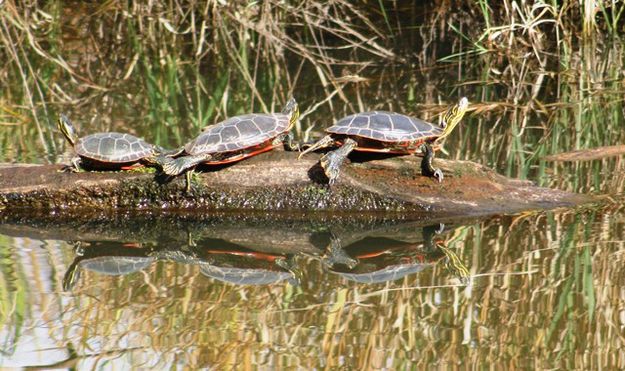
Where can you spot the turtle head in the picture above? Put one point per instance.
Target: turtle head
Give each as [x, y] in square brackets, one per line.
[453, 116]
[291, 109]
[66, 127]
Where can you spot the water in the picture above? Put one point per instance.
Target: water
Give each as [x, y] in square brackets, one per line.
[544, 290]
[532, 290]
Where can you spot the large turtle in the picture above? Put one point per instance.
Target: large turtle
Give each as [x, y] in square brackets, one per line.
[246, 276]
[234, 139]
[377, 258]
[248, 267]
[387, 132]
[109, 150]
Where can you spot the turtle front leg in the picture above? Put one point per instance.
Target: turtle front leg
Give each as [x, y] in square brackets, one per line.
[288, 264]
[331, 162]
[288, 141]
[335, 254]
[426, 164]
[75, 167]
[324, 142]
[428, 236]
[188, 176]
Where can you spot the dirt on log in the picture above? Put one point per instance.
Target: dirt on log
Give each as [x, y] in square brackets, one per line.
[277, 181]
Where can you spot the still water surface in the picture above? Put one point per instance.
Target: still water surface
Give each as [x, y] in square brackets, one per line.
[544, 289]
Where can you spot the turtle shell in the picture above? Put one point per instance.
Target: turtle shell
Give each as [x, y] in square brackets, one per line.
[386, 127]
[116, 265]
[113, 147]
[239, 132]
[387, 274]
[244, 276]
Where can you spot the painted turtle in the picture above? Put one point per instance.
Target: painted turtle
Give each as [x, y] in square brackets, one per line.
[387, 132]
[241, 266]
[385, 274]
[233, 140]
[107, 258]
[246, 276]
[391, 254]
[107, 150]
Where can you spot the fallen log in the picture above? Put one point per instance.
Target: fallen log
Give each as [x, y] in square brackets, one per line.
[277, 181]
[588, 154]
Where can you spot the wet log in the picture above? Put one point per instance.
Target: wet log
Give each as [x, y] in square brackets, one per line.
[277, 181]
[588, 154]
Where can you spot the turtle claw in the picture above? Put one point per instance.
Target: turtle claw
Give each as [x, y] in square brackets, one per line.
[68, 169]
[322, 143]
[438, 174]
[72, 169]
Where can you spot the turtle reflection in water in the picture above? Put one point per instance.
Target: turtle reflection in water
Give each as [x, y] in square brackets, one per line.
[378, 259]
[247, 267]
[106, 257]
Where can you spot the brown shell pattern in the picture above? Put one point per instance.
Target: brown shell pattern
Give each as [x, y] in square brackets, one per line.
[113, 147]
[239, 132]
[385, 126]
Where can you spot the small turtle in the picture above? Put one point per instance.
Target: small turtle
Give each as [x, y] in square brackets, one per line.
[233, 140]
[107, 150]
[105, 258]
[386, 132]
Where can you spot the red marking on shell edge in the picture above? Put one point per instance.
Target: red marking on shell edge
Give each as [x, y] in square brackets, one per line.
[384, 150]
[241, 156]
[252, 254]
[407, 151]
[373, 254]
[130, 167]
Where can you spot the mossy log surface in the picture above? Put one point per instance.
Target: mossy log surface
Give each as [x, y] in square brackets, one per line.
[277, 181]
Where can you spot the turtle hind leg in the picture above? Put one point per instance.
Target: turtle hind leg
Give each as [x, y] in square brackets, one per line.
[188, 177]
[177, 166]
[331, 162]
[324, 142]
[427, 169]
